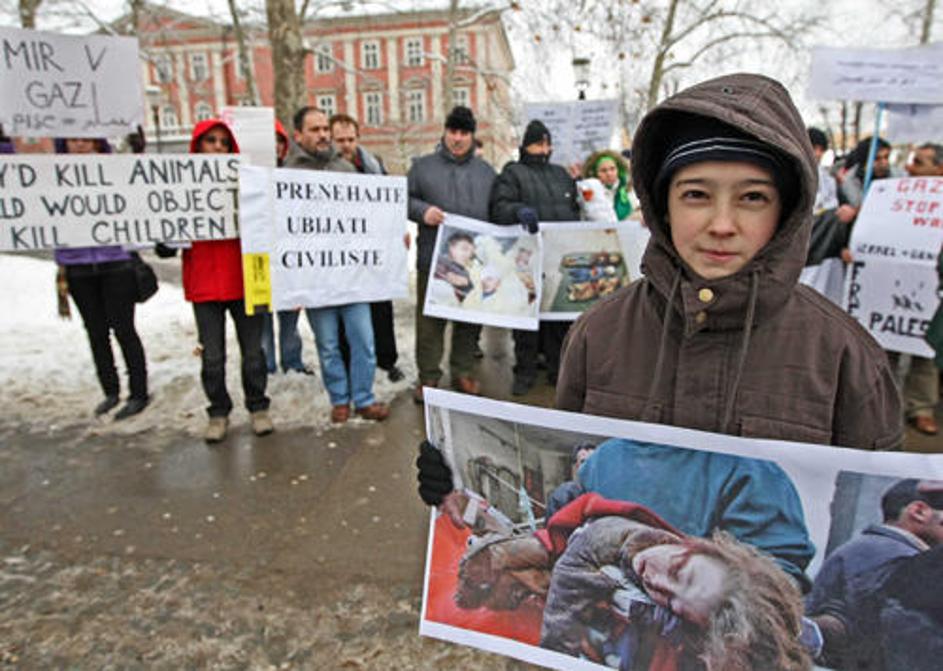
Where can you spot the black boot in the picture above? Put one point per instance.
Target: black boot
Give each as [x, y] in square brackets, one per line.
[106, 405]
[132, 407]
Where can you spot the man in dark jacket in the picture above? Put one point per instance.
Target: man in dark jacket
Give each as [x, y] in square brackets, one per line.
[529, 191]
[844, 597]
[450, 179]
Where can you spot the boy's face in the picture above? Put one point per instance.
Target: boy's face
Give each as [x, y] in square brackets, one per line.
[692, 586]
[721, 215]
[461, 251]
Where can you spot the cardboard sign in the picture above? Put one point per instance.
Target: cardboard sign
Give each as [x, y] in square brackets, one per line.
[485, 274]
[69, 86]
[50, 201]
[570, 566]
[906, 76]
[915, 123]
[254, 128]
[331, 238]
[577, 128]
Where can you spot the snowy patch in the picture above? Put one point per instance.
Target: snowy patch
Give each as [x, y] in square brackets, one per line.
[47, 378]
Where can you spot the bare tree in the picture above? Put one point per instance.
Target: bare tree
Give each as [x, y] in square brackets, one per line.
[28, 9]
[288, 55]
[245, 56]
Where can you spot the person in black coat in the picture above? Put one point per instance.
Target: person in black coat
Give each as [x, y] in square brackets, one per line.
[527, 192]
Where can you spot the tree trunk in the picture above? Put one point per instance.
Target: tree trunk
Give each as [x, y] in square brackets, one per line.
[288, 56]
[844, 126]
[28, 10]
[927, 21]
[447, 97]
[245, 57]
[857, 122]
[654, 82]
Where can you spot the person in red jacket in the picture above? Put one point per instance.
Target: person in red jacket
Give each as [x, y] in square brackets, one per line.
[212, 281]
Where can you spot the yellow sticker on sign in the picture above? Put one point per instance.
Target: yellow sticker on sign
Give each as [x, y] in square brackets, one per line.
[257, 278]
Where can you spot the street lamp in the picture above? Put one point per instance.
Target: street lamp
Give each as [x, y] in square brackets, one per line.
[581, 71]
[153, 95]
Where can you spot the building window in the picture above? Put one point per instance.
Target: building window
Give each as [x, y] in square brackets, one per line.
[461, 50]
[461, 96]
[328, 103]
[370, 55]
[416, 106]
[168, 117]
[373, 107]
[324, 58]
[240, 70]
[414, 52]
[199, 71]
[163, 69]
[203, 111]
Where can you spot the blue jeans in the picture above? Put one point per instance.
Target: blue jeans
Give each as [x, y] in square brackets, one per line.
[363, 362]
[289, 341]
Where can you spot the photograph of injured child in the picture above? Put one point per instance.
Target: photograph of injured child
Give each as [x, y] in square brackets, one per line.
[576, 549]
[484, 274]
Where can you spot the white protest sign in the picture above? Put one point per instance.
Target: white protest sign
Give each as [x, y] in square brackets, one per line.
[894, 301]
[914, 123]
[913, 75]
[50, 201]
[577, 128]
[891, 288]
[69, 86]
[330, 238]
[254, 128]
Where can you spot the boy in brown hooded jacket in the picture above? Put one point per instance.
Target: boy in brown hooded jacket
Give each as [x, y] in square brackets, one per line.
[718, 335]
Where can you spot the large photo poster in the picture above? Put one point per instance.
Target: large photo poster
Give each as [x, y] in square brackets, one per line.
[580, 542]
[892, 286]
[485, 274]
[586, 261]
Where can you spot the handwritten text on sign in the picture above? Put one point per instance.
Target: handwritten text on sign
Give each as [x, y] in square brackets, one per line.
[104, 199]
[577, 129]
[333, 238]
[69, 86]
[901, 219]
[878, 75]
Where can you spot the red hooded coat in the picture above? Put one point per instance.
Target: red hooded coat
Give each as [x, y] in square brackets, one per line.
[212, 270]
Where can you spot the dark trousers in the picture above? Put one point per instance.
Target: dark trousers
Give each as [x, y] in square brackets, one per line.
[211, 327]
[104, 294]
[527, 344]
[384, 337]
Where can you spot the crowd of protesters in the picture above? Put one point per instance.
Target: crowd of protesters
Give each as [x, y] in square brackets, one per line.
[352, 341]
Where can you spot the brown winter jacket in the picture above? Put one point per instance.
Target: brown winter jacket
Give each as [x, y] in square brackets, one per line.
[752, 354]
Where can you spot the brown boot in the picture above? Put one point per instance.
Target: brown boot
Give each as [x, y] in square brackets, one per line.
[467, 385]
[417, 390]
[375, 411]
[925, 424]
[340, 414]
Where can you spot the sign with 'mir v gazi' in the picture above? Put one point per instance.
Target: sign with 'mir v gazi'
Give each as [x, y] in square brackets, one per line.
[84, 200]
[892, 284]
[55, 85]
[327, 238]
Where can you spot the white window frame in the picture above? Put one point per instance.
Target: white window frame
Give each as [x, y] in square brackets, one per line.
[416, 105]
[202, 111]
[412, 52]
[169, 117]
[462, 49]
[326, 102]
[461, 95]
[373, 108]
[199, 59]
[163, 69]
[240, 73]
[324, 58]
[370, 55]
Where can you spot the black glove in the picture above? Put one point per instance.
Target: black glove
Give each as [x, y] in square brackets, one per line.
[164, 252]
[435, 476]
[528, 218]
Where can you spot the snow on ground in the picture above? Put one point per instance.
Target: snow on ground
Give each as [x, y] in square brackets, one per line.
[47, 377]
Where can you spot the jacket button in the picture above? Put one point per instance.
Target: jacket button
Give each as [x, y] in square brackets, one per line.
[700, 317]
[705, 295]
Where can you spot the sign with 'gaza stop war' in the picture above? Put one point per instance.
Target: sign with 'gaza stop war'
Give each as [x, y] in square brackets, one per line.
[314, 238]
[55, 85]
[53, 201]
[892, 286]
